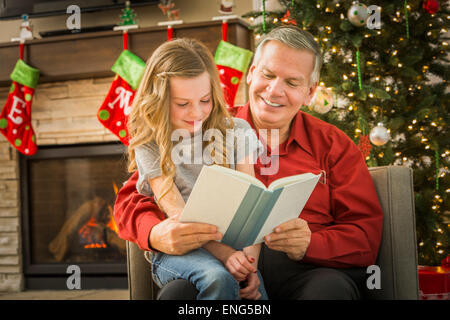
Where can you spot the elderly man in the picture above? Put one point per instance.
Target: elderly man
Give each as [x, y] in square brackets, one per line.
[321, 255]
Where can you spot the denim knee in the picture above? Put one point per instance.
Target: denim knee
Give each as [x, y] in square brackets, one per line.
[218, 284]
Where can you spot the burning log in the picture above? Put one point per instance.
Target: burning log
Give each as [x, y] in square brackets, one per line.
[111, 232]
[60, 245]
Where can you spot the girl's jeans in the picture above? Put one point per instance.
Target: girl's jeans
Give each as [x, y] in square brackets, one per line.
[203, 270]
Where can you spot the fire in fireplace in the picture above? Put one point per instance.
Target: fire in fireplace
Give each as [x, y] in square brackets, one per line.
[92, 234]
[69, 194]
[91, 226]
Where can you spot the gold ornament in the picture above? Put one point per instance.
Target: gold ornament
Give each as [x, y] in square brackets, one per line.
[357, 14]
[323, 100]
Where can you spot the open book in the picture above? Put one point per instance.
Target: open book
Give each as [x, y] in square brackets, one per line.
[241, 206]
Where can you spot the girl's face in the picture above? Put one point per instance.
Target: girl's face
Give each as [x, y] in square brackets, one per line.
[190, 100]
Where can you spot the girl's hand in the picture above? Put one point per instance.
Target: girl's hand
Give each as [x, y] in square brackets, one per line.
[240, 265]
[251, 292]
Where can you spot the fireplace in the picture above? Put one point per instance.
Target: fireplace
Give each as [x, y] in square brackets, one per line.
[67, 216]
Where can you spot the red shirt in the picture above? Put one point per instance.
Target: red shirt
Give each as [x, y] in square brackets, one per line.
[343, 212]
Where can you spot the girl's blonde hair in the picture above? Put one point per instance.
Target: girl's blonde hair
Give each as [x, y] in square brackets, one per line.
[149, 119]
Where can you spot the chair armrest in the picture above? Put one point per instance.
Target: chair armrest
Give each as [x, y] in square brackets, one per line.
[397, 256]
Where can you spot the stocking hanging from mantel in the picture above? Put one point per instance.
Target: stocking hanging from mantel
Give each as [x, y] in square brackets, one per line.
[116, 107]
[232, 62]
[15, 118]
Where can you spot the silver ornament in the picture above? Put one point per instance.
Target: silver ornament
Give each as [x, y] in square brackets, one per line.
[379, 135]
[357, 14]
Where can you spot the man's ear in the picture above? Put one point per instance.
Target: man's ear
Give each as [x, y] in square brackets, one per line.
[250, 73]
[311, 92]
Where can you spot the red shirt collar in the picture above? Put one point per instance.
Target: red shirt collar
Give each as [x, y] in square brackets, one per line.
[298, 132]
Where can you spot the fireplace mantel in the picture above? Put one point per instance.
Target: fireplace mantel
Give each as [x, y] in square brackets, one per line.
[91, 55]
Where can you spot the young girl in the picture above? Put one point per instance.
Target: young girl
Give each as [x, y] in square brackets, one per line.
[180, 90]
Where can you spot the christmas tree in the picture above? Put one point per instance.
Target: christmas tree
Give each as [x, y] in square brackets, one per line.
[385, 71]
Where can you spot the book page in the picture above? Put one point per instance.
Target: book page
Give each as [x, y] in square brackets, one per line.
[240, 175]
[279, 183]
[215, 198]
[289, 205]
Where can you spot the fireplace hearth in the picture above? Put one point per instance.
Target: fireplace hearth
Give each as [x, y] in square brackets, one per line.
[68, 198]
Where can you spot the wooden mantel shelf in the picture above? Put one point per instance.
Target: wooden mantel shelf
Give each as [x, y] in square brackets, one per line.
[92, 55]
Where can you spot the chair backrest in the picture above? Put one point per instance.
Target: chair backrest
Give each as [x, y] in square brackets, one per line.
[397, 257]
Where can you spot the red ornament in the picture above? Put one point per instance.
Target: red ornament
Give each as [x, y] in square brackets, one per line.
[431, 6]
[445, 263]
[364, 145]
[287, 19]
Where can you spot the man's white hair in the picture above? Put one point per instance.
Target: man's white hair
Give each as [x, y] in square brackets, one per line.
[295, 38]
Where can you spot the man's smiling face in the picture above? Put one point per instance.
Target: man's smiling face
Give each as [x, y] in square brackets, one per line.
[279, 85]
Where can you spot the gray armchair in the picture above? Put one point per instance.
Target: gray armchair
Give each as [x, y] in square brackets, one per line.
[397, 257]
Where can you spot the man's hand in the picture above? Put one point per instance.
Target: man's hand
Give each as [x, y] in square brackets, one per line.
[177, 238]
[291, 237]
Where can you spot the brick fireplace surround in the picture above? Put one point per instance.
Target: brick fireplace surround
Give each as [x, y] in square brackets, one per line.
[63, 113]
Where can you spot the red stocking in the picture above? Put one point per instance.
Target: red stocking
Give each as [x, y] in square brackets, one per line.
[229, 80]
[15, 118]
[116, 107]
[232, 62]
